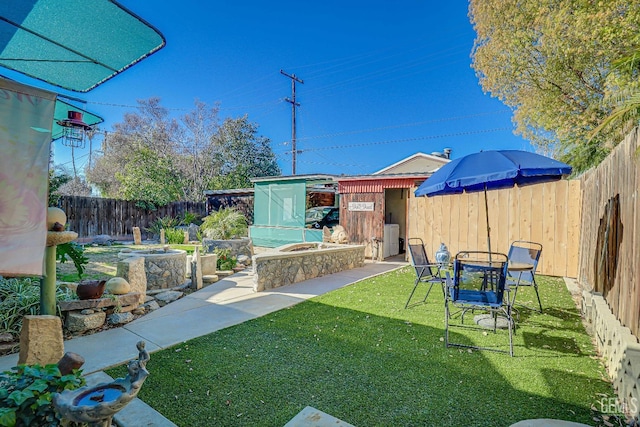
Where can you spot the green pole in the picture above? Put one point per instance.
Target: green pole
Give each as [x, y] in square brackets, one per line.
[48, 283]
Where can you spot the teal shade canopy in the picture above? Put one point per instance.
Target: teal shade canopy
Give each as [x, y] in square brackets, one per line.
[73, 44]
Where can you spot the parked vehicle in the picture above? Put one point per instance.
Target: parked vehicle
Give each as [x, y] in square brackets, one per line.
[321, 216]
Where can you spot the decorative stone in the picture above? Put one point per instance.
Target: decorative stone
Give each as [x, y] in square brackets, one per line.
[132, 270]
[210, 278]
[244, 260]
[41, 340]
[166, 297]
[118, 286]
[87, 311]
[139, 311]
[78, 322]
[103, 240]
[55, 215]
[69, 362]
[137, 236]
[6, 337]
[119, 318]
[151, 305]
[121, 300]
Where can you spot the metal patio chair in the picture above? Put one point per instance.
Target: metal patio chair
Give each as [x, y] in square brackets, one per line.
[478, 283]
[523, 261]
[426, 272]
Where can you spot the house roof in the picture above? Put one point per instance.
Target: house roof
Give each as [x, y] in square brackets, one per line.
[416, 163]
[309, 179]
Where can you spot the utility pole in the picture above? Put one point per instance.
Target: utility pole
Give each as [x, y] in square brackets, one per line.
[294, 104]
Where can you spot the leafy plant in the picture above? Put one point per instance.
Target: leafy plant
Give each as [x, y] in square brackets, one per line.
[26, 393]
[174, 236]
[225, 260]
[75, 252]
[20, 297]
[190, 218]
[224, 224]
[162, 223]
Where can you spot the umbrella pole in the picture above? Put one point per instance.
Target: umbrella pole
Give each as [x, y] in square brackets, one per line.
[486, 206]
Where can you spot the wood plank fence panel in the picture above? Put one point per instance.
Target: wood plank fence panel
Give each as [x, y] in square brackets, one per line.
[608, 257]
[543, 213]
[92, 216]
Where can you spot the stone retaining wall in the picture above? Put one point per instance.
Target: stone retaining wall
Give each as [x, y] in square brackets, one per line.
[164, 270]
[618, 347]
[280, 268]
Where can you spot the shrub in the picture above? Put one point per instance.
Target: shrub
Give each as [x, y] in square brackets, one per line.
[224, 224]
[174, 236]
[190, 218]
[162, 223]
[225, 261]
[19, 297]
[26, 393]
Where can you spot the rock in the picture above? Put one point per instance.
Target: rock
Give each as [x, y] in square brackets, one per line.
[244, 260]
[132, 270]
[87, 311]
[210, 278]
[41, 340]
[103, 239]
[137, 236]
[139, 311]
[6, 337]
[151, 305]
[78, 322]
[122, 300]
[193, 232]
[119, 318]
[166, 297]
[148, 298]
[118, 286]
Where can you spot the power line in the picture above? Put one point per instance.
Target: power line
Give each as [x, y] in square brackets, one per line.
[418, 138]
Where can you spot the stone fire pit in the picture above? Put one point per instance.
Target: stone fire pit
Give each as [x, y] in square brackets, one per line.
[165, 269]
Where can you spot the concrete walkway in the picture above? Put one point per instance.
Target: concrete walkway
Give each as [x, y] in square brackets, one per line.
[225, 303]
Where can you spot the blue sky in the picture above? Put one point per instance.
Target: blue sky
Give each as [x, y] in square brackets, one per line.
[382, 80]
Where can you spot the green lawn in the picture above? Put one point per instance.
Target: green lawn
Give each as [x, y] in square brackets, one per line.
[358, 355]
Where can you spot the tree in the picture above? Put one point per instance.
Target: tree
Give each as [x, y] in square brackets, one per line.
[551, 62]
[242, 154]
[150, 128]
[153, 158]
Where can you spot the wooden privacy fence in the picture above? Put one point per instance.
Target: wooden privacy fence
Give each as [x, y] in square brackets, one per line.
[545, 213]
[609, 253]
[92, 216]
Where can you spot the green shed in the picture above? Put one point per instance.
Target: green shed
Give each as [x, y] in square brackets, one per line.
[279, 208]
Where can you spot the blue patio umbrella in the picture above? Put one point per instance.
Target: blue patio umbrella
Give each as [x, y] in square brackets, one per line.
[491, 170]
